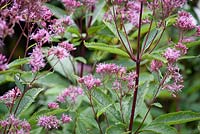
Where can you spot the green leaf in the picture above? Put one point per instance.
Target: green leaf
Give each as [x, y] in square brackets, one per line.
[65, 66]
[144, 29]
[122, 35]
[58, 12]
[116, 129]
[158, 129]
[157, 105]
[151, 37]
[94, 29]
[105, 47]
[193, 43]
[81, 59]
[27, 100]
[177, 118]
[103, 110]
[154, 56]
[19, 84]
[18, 62]
[189, 57]
[98, 10]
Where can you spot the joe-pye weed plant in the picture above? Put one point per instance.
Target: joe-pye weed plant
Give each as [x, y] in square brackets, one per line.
[93, 66]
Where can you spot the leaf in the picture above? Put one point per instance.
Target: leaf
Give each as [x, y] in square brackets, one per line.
[151, 37]
[154, 56]
[27, 100]
[98, 10]
[64, 66]
[193, 43]
[157, 105]
[122, 35]
[189, 57]
[94, 29]
[81, 59]
[105, 47]
[158, 129]
[177, 118]
[19, 84]
[103, 110]
[58, 12]
[116, 129]
[18, 62]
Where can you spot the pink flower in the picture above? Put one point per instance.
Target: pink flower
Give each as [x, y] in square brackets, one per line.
[71, 4]
[10, 96]
[67, 46]
[198, 31]
[41, 36]
[130, 78]
[183, 49]
[103, 68]
[171, 54]
[89, 81]
[48, 122]
[117, 85]
[18, 126]
[37, 61]
[59, 52]
[185, 21]
[156, 65]
[66, 118]
[70, 94]
[53, 105]
[3, 62]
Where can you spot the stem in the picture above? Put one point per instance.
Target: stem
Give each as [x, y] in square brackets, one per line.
[154, 98]
[137, 72]
[92, 105]
[118, 33]
[17, 43]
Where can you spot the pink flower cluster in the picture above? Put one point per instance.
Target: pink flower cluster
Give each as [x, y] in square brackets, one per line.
[52, 122]
[9, 97]
[130, 78]
[177, 79]
[185, 21]
[73, 4]
[62, 50]
[70, 94]
[16, 126]
[37, 59]
[172, 54]
[3, 62]
[48, 122]
[104, 68]
[89, 81]
[41, 36]
[53, 105]
[156, 65]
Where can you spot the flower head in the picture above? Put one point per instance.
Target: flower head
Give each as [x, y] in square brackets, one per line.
[48, 122]
[37, 61]
[10, 96]
[185, 21]
[156, 65]
[18, 126]
[66, 118]
[70, 94]
[89, 81]
[171, 54]
[53, 105]
[3, 62]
